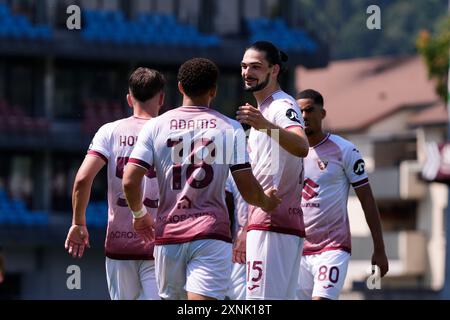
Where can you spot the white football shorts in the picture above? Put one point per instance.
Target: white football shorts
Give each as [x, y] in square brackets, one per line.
[131, 279]
[273, 263]
[236, 289]
[202, 267]
[323, 275]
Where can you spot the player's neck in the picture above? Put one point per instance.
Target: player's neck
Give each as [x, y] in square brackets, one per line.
[196, 102]
[317, 138]
[263, 94]
[145, 112]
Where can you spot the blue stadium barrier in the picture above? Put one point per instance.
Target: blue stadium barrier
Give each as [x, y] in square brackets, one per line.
[97, 214]
[145, 29]
[17, 26]
[15, 212]
[278, 32]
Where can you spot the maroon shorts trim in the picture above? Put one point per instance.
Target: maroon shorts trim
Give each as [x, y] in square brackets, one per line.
[164, 241]
[342, 248]
[294, 232]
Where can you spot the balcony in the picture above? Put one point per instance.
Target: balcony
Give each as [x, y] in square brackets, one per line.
[403, 182]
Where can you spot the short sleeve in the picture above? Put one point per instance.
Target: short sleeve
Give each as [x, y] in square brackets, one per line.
[354, 166]
[286, 114]
[143, 152]
[101, 144]
[239, 159]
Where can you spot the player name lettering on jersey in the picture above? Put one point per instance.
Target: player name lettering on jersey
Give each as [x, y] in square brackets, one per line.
[127, 141]
[182, 124]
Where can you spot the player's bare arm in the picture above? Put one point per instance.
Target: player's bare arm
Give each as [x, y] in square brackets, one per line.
[372, 215]
[253, 193]
[78, 236]
[293, 139]
[132, 186]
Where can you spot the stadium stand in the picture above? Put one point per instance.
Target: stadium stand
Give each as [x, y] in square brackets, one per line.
[17, 26]
[147, 29]
[278, 32]
[15, 212]
[97, 113]
[14, 119]
[97, 214]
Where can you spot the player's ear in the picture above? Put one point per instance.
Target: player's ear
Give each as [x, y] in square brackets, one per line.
[130, 100]
[324, 113]
[180, 88]
[276, 70]
[161, 98]
[213, 92]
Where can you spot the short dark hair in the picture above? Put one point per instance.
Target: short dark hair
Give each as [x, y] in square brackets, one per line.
[197, 76]
[145, 83]
[313, 95]
[273, 54]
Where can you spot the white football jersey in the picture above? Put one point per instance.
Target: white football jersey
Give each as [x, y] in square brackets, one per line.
[113, 143]
[330, 168]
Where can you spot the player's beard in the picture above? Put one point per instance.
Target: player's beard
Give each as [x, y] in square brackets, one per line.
[259, 86]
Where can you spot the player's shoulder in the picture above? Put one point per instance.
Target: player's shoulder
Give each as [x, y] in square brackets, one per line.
[108, 128]
[284, 104]
[343, 144]
[236, 125]
[282, 98]
[227, 121]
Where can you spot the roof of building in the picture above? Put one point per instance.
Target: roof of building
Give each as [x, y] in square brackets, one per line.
[361, 92]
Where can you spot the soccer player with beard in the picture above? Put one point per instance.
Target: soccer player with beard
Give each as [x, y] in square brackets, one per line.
[277, 146]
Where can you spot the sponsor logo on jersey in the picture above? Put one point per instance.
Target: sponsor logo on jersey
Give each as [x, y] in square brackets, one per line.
[308, 192]
[322, 164]
[292, 115]
[184, 203]
[359, 167]
[328, 286]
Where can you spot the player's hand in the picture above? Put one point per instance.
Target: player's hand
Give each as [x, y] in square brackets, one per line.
[77, 240]
[239, 247]
[252, 116]
[145, 227]
[272, 200]
[380, 259]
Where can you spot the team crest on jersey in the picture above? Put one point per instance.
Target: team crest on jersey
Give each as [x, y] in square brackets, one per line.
[293, 115]
[323, 164]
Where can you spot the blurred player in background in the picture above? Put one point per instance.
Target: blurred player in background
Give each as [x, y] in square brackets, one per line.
[332, 165]
[238, 209]
[193, 149]
[277, 145]
[129, 258]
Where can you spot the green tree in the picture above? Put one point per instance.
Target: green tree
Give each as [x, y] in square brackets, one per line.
[435, 50]
[342, 25]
